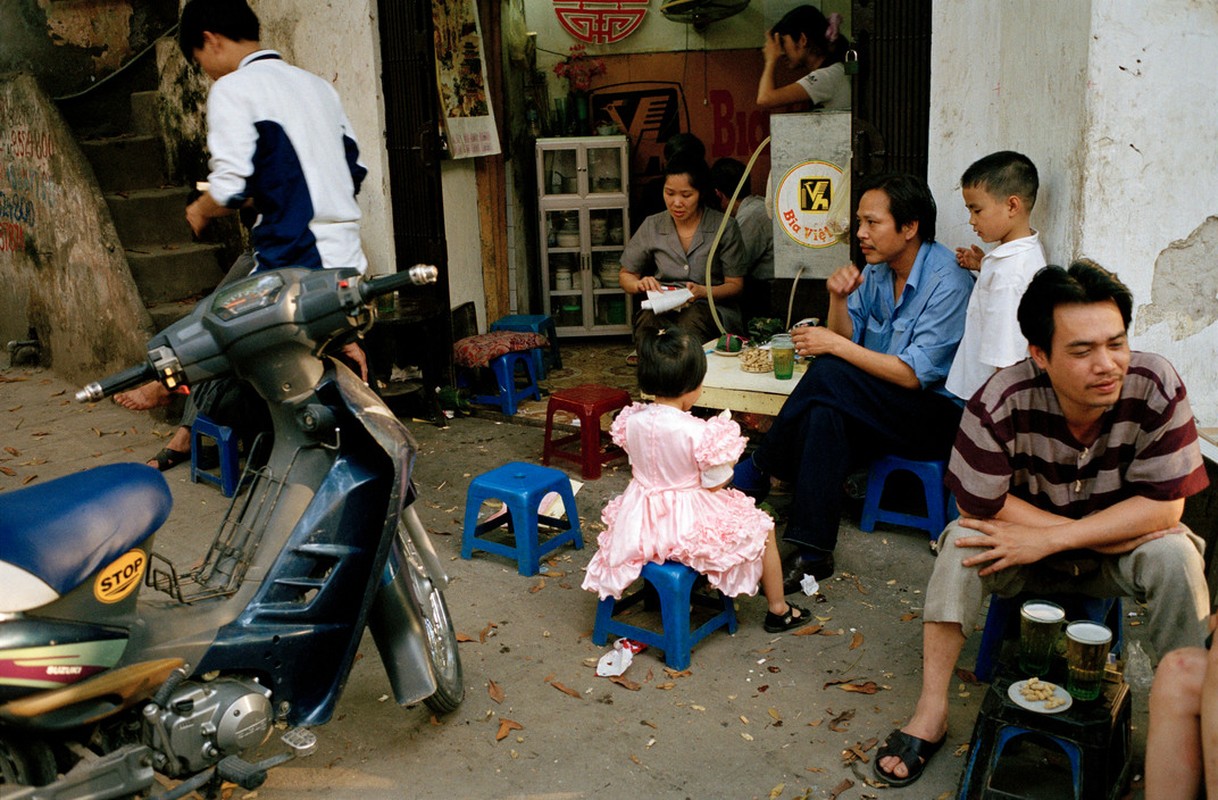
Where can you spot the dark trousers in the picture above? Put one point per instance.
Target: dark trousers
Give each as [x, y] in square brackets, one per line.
[695, 317]
[839, 418]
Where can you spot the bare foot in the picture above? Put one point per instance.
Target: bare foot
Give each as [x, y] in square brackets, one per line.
[142, 398]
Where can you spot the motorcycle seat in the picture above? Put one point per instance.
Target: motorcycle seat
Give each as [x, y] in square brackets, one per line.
[64, 531]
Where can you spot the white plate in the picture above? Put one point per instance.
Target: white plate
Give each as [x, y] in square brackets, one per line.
[1014, 692]
[719, 352]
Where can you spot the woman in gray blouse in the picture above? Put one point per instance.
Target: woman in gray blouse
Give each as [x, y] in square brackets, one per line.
[670, 249]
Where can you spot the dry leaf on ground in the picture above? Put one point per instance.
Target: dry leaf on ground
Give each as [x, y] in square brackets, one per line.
[908, 616]
[495, 691]
[856, 641]
[841, 723]
[461, 637]
[777, 791]
[506, 726]
[867, 687]
[625, 682]
[841, 787]
[566, 690]
[487, 631]
[808, 630]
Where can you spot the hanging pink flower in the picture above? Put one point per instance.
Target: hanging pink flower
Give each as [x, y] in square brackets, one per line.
[579, 69]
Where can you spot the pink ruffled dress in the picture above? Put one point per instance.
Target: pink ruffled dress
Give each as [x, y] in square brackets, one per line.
[667, 513]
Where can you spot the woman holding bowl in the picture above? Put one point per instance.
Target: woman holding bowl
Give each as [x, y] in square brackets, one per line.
[670, 250]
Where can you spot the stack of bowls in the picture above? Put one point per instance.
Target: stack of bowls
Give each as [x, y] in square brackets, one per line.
[608, 271]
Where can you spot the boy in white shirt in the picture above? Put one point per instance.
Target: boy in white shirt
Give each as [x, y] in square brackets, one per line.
[999, 192]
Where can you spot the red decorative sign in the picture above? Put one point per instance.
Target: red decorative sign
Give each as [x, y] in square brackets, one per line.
[600, 21]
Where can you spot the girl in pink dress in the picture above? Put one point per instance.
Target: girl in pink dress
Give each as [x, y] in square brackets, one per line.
[676, 507]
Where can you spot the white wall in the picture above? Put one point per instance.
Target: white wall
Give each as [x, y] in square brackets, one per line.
[1150, 177]
[463, 232]
[341, 43]
[1113, 101]
[1009, 75]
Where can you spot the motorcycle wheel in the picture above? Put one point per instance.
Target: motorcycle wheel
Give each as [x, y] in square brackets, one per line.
[441, 638]
[28, 764]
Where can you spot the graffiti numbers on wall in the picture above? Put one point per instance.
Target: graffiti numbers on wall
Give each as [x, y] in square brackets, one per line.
[12, 237]
[27, 187]
[33, 145]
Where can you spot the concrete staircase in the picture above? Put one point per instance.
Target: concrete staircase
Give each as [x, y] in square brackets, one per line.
[171, 270]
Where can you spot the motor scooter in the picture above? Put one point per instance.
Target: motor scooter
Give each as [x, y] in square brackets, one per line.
[102, 684]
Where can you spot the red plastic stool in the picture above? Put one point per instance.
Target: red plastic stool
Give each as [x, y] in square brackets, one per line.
[588, 402]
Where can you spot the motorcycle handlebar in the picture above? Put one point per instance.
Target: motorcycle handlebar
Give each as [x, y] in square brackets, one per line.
[418, 275]
[128, 378]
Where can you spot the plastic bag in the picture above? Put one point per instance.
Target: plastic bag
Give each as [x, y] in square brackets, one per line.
[1138, 672]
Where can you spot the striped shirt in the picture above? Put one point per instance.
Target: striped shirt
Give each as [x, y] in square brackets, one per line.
[1013, 438]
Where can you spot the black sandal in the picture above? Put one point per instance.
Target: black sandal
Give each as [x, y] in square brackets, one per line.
[168, 459]
[914, 753]
[795, 617]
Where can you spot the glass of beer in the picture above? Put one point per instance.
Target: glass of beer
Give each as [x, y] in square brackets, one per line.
[1087, 645]
[783, 351]
[1039, 624]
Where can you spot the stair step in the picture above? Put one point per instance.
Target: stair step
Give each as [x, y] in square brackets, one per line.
[144, 119]
[150, 216]
[165, 314]
[123, 163]
[170, 273]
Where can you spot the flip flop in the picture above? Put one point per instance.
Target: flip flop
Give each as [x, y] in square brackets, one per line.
[168, 459]
[914, 753]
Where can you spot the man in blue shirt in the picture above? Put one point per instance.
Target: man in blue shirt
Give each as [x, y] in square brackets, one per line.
[876, 385]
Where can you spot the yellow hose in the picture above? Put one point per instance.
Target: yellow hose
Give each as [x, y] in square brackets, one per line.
[710, 257]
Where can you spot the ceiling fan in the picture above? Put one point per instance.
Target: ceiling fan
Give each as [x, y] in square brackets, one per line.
[701, 13]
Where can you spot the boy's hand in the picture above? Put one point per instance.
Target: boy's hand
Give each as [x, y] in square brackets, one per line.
[970, 258]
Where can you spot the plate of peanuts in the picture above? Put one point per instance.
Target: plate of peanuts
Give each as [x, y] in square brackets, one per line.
[1039, 696]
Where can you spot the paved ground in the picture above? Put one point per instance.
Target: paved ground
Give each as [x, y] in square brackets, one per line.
[757, 715]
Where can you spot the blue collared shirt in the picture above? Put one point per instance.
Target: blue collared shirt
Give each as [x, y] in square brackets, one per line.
[924, 327]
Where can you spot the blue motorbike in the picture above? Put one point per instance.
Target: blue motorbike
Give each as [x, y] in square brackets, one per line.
[115, 664]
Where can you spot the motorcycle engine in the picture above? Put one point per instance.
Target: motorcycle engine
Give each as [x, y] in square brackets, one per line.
[204, 722]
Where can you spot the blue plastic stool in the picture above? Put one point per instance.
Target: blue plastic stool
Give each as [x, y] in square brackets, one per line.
[226, 443]
[504, 368]
[940, 507]
[521, 487]
[534, 323]
[674, 583]
[1003, 609]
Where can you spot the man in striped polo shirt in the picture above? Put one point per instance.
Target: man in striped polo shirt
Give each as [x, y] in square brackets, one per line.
[1070, 471]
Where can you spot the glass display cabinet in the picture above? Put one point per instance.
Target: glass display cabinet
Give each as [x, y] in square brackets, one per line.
[583, 203]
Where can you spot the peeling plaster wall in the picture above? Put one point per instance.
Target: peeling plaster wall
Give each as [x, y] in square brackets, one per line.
[1009, 75]
[1112, 99]
[61, 263]
[1149, 184]
[69, 44]
[341, 43]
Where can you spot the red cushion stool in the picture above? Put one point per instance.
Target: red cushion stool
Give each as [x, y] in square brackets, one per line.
[588, 402]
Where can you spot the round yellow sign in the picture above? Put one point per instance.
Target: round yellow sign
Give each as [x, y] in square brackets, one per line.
[121, 577]
[803, 199]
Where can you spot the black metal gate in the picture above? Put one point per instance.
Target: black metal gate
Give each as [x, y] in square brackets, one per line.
[892, 86]
[412, 143]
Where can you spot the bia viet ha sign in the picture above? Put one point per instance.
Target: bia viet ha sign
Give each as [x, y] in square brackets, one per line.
[810, 192]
